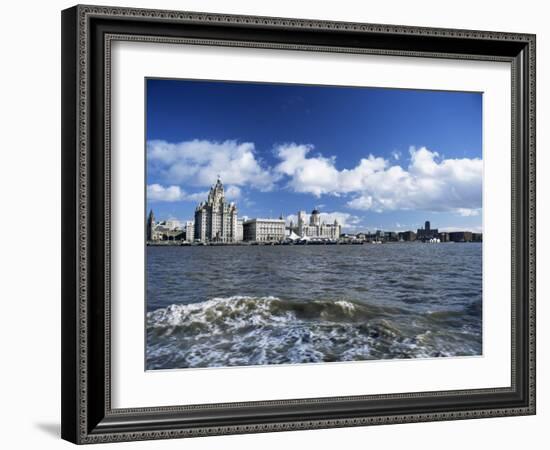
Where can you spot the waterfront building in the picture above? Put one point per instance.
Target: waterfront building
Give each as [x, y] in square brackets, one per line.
[390, 236]
[427, 233]
[444, 236]
[316, 228]
[264, 230]
[175, 234]
[189, 231]
[377, 236]
[477, 237]
[460, 236]
[150, 226]
[167, 231]
[240, 231]
[407, 236]
[215, 218]
[172, 224]
[162, 231]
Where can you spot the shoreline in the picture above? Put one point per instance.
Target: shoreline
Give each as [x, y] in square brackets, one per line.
[269, 244]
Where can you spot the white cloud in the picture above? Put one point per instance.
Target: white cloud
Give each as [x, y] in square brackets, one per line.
[466, 212]
[200, 162]
[310, 175]
[348, 221]
[159, 193]
[429, 182]
[232, 192]
[472, 228]
[197, 196]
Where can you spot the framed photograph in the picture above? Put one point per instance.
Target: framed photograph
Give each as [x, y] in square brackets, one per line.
[279, 224]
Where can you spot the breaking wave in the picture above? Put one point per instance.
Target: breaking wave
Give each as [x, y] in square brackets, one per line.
[243, 331]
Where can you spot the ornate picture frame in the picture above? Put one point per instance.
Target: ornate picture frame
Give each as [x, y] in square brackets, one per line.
[87, 35]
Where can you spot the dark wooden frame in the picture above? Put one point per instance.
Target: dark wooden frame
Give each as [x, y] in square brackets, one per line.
[87, 32]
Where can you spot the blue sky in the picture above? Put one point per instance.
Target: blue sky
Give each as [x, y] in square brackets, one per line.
[373, 158]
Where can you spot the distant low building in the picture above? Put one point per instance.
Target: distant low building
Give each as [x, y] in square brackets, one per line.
[390, 236]
[163, 231]
[239, 236]
[477, 237]
[460, 236]
[189, 231]
[173, 235]
[264, 230]
[348, 236]
[444, 236]
[426, 233]
[407, 236]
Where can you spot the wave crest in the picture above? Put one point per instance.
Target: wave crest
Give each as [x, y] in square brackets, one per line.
[243, 330]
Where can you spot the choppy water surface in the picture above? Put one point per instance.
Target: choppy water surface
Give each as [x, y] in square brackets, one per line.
[237, 306]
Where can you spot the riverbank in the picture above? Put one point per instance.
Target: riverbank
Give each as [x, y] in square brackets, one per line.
[254, 243]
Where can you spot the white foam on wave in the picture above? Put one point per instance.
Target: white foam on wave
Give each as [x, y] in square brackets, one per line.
[346, 306]
[243, 330]
[235, 311]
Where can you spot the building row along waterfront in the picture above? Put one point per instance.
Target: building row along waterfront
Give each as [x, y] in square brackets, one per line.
[216, 221]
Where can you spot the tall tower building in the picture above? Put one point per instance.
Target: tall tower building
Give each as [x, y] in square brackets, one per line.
[426, 233]
[216, 219]
[150, 225]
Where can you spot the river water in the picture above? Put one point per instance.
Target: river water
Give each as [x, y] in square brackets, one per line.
[213, 306]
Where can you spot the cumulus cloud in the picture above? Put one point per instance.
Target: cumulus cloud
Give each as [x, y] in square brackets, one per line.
[200, 162]
[473, 228]
[318, 175]
[233, 192]
[428, 183]
[466, 212]
[197, 196]
[349, 222]
[159, 193]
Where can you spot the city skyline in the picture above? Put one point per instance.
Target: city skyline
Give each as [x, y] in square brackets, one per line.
[199, 227]
[372, 158]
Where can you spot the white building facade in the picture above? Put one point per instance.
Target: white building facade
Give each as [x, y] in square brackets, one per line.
[264, 230]
[189, 231]
[167, 230]
[216, 219]
[240, 230]
[315, 228]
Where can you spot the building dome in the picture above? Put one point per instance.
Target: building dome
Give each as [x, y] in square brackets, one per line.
[315, 211]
